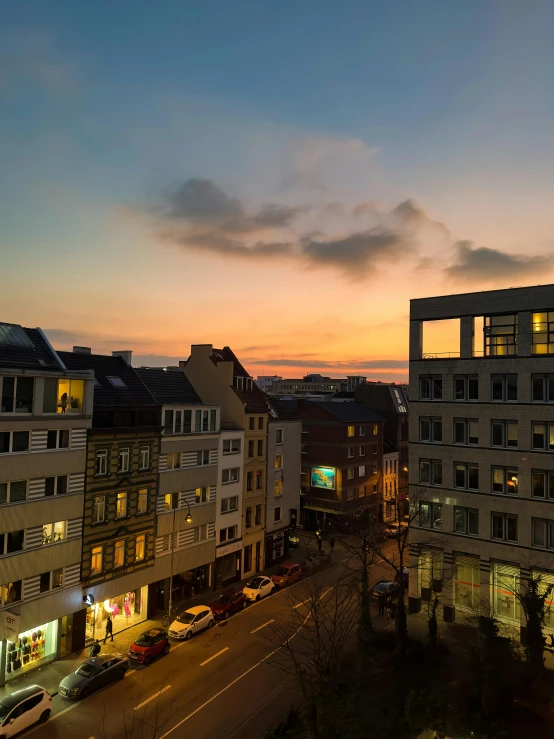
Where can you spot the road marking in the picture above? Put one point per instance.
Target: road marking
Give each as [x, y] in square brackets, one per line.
[156, 695]
[345, 560]
[262, 626]
[213, 657]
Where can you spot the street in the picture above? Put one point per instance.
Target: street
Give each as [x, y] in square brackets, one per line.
[216, 685]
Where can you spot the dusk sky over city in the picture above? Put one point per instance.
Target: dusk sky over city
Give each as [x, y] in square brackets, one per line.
[279, 178]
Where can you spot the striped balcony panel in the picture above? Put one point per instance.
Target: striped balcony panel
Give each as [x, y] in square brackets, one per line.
[33, 538]
[31, 587]
[185, 538]
[72, 575]
[74, 528]
[211, 531]
[36, 488]
[77, 483]
[39, 439]
[78, 438]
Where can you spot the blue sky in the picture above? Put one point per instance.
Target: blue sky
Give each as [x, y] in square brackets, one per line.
[105, 107]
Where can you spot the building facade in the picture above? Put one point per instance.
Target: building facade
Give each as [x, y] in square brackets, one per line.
[481, 451]
[284, 441]
[45, 413]
[390, 483]
[312, 384]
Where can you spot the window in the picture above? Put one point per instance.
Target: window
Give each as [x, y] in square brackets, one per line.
[12, 542]
[203, 457]
[11, 592]
[375, 449]
[202, 495]
[500, 335]
[278, 487]
[174, 461]
[14, 441]
[229, 504]
[542, 485]
[542, 388]
[248, 517]
[279, 436]
[121, 505]
[17, 394]
[260, 448]
[116, 382]
[171, 501]
[543, 333]
[227, 534]
[430, 388]
[350, 452]
[504, 388]
[277, 514]
[361, 470]
[466, 476]
[374, 489]
[123, 460]
[169, 422]
[99, 509]
[258, 519]
[119, 553]
[251, 423]
[259, 479]
[55, 485]
[466, 387]
[504, 527]
[430, 515]
[247, 558]
[430, 471]
[361, 451]
[13, 492]
[231, 446]
[504, 480]
[101, 463]
[466, 431]
[231, 475]
[261, 423]
[430, 429]
[543, 436]
[375, 429]
[201, 532]
[142, 501]
[57, 439]
[504, 433]
[466, 521]
[250, 449]
[542, 533]
[205, 420]
[249, 481]
[140, 547]
[278, 461]
[350, 473]
[63, 396]
[144, 458]
[54, 532]
[363, 430]
[96, 561]
[350, 431]
[44, 582]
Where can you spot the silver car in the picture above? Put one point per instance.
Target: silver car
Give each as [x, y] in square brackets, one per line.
[93, 674]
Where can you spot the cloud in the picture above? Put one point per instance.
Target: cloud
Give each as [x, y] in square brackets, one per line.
[339, 366]
[412, 215]
[483, 263]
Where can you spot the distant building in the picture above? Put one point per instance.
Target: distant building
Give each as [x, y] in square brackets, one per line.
[265, 382]
[311, 384]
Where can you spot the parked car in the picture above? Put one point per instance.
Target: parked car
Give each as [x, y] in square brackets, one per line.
[228, 603]
[286, 574]
[405, 578]
[93, 674]
[148, 646]
[258, 587]
[24, 708]
[294, 541]
[384, 587]
[191, 621]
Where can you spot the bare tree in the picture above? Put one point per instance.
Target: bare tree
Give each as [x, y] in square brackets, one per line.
[310, 646]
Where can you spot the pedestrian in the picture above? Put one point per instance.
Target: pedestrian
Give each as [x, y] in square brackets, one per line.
[381, 601]
[332, 543]
[109, 628]
[94, 650]
[388, 605]
[319, 543]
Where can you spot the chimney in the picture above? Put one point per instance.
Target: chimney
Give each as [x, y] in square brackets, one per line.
[81, 350]
[125, 356]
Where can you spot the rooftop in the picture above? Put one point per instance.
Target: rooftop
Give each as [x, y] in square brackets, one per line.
[255, 399]
[350, 412]
[169, 387]
[27, 349]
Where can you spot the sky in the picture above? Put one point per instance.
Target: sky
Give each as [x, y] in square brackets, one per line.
[281, 177]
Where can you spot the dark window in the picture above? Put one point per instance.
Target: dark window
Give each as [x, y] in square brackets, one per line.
[252, 423]
[260, 448]
[259, 479]
[18, 491]
[430, 388]
[8, 387]
[543, 484]
[430, 515]
[50, 486]
[45, 582]
[125, 419]
[249, 480]
[52, 439]
[4, 442]
[248, 517]
[258, 520]
[251, 449]
[430, 471]
[168, 422]
[466, 521]
[20, 442]
[504, 388]
[62, 485]
[187, 422]
[14, 541]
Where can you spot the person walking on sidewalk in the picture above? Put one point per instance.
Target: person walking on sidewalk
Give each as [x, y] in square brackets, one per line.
[381, 601]
[332, 543]
[319, 542]
[109, 628]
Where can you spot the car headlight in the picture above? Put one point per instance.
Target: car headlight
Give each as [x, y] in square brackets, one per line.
[74, 691]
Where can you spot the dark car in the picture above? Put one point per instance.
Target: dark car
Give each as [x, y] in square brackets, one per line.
[93, 674]
[228, 603]
[385, 588]
[148, 646]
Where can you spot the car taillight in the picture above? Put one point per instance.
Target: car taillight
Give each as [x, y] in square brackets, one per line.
[50, 698]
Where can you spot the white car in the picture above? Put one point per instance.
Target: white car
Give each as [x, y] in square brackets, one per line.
[258, 587]
[191, 621]
[22, 709]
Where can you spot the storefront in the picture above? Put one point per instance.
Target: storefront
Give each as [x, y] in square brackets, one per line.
[31, 649]
[276, 547]
[125, 610]
[430, 573]
[505, 588]
[546, 584]
[467, 583]
[227, 564]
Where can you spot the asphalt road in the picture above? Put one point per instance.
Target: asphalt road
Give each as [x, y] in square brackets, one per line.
[216, 685]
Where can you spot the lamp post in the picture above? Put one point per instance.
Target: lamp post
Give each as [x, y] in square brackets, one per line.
[188, 519]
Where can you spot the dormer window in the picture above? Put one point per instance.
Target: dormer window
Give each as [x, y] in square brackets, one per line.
[117, 382]
[248, 383]
[239, 383]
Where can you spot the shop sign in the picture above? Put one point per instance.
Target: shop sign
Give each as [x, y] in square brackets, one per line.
[323, 477]
[228, 549]
[278, 537]
[89, 599]
[10, 622]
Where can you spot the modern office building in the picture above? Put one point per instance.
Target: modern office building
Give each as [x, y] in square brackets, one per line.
[45, 412]
[481, 451]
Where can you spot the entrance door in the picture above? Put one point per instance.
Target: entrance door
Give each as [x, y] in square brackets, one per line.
[258, 552]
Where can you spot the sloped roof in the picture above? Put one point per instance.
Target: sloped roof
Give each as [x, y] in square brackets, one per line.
[26, 348]
[135, 392]
[350, 412]
[168, 386]
[389, 448]
[255, 400]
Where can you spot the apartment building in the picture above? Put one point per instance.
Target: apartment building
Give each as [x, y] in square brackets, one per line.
[45, 412]
[219, 378]
[119, 527]
[391, 461]
[481, 451]
[284, 442]
[186, 504]
[311, 384]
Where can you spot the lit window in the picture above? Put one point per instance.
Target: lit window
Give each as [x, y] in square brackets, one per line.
[99, 509]
[63, 396]
[96, 563]
[278, 487]
[119, 553]
[140, 547]
[54, 532]
[351, 431]
[543, 333]
[121, 506]
[202, 495]
[174, 461]
[142, 501]
[278, 461]
[501, 335]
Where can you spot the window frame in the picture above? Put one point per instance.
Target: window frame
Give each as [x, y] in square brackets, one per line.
[468, 468]
[8, 488]
[466, 384]
[123, 496]
[142, 538]
[123, 454]
[547, 484]
[502, 382]
[142, 450]
[504, 517]
[434, 508]
[101, 454]
[547, 381]
[230, 478]
[10, 442]
[504, 427]
[433, 423]
[279, 518]
[117, 548]
[465, 529]
[435, 387]
[97, 552]
[14, 398]
[434, 465]
[232, 443]
[94, 499]
[505, 482]
[142, 493]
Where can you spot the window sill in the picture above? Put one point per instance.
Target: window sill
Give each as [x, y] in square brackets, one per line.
[99, 523]
[230, 482]
[225, 513]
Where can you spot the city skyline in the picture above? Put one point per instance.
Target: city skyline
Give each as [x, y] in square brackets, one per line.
[279, 184]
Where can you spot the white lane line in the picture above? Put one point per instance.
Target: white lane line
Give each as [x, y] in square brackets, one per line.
[262, 626]
[152, 697]
[213, 657]
[300, 604]
[345, 560]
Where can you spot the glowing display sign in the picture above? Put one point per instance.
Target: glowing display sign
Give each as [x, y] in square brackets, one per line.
[323, 477]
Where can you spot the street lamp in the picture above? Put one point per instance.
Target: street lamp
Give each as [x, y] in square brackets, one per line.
[188, 519]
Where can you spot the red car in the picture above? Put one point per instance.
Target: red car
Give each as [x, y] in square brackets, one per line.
[228, 603]
[148, 646]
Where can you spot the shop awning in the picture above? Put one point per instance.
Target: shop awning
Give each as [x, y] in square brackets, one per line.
[323, 509]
